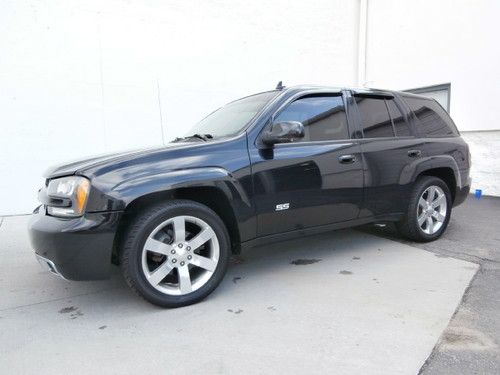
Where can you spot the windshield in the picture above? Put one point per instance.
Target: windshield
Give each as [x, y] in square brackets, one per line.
[233, 117]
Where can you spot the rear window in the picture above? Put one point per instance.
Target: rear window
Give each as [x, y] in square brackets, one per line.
[434, 121]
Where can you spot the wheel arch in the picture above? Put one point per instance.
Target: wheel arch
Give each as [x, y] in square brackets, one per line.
[446, 174]
[212, 187]
[444, 167]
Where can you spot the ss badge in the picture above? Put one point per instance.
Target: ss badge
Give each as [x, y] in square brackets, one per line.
[282, 206]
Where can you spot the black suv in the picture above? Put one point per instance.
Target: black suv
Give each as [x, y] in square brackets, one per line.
[275, 165]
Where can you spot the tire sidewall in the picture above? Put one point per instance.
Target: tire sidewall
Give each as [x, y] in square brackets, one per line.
[135, 272]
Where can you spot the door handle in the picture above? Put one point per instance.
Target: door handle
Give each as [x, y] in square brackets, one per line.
[414, 153]
[347, 159]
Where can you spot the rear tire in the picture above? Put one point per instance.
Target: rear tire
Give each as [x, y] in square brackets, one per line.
[428, 212]
[175, 253]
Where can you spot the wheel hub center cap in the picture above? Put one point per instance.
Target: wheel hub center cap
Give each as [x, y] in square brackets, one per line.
[180, 254]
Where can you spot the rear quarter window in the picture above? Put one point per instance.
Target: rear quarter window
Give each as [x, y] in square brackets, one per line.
[433, 119]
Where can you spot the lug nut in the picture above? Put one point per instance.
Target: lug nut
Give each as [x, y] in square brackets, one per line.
[188, 248]
[190, 257]
[182, 263]
[180, 246]
[172, 252]
[174, 260]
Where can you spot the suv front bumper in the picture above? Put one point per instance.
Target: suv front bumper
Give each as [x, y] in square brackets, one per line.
[77, 248]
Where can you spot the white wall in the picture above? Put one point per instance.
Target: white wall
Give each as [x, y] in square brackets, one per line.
[79, 77]
[412, 44]
[485, 172]
[420, 43]
[85, 77]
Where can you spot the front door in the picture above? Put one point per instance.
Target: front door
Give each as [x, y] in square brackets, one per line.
[314, 181]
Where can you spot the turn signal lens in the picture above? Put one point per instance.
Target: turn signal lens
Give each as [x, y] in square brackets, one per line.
[73, 190]
[82, 192]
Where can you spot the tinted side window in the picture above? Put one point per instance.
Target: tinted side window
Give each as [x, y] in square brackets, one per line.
[375, 118]
[323, 117]
[433, 119]
[400, 125]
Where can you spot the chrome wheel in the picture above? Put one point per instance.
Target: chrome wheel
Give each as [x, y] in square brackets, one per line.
[180, 255]
[432, 209]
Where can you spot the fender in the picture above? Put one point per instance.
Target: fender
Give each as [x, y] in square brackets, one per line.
[127, 191]
[120, 196]
[411, 171]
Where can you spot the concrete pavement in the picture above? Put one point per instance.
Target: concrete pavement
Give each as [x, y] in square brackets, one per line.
[471, 343]
[346, 302]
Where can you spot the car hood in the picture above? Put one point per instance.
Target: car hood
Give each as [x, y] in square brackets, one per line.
[83, 165]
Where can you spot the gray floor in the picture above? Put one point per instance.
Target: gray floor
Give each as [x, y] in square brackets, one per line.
[470, 344]
[356, 303]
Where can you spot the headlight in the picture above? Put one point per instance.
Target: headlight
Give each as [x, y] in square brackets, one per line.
[68, 196]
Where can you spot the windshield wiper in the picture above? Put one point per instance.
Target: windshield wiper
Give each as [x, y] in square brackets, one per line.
[203, 137]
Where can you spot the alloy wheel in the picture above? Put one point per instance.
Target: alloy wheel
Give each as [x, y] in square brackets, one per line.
[180, 255]
[432, 209]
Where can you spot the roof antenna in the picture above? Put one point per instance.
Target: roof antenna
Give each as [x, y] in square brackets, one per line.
[280, 86]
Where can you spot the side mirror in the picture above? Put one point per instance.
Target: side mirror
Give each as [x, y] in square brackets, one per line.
[283, 132]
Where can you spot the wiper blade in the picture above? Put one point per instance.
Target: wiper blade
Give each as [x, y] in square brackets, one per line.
[203, 137]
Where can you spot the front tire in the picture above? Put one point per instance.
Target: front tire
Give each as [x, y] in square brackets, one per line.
[175, 253]
[428, 212]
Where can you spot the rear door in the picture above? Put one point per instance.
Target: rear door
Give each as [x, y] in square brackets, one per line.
[389, 145]
[315, 181]
[439, 133]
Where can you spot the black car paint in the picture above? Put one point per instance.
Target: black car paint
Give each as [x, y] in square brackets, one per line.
[81, 247]
[328, 184]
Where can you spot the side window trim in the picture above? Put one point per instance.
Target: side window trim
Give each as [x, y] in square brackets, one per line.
[352, 115]
[399, 104]
[294, 98]
[415, 121]
[390, 117]
[302, 95]
[408, 116]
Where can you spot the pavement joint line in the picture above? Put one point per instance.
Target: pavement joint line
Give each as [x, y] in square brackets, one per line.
[461, 256]
[14, 215]
[462, 301]
[452, 254]
[478, 258]
[465, 257]
[58, 299]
